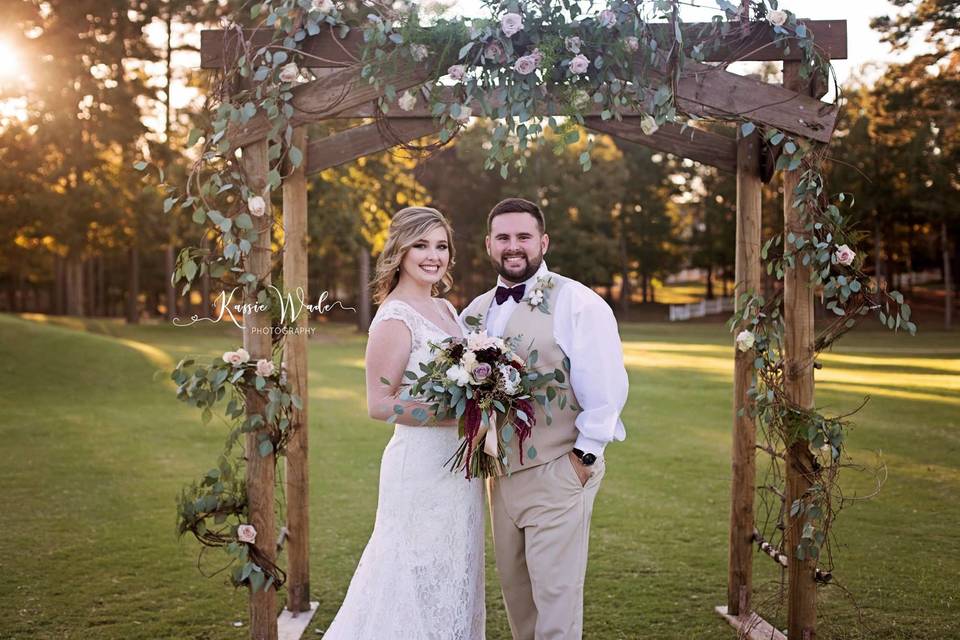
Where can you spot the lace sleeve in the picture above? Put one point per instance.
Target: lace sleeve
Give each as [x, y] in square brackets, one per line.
[397, 310]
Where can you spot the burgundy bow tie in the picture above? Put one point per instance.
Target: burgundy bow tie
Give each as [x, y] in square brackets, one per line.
[513, 292]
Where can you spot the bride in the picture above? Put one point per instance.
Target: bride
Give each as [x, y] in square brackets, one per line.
[421, 576]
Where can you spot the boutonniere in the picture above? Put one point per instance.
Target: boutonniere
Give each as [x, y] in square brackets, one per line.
[539, 296]
[475, 323]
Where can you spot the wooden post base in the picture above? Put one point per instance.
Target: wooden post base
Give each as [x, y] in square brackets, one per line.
[290, 625]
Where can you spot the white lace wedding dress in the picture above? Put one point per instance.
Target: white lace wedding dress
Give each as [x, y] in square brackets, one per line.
[421, 576]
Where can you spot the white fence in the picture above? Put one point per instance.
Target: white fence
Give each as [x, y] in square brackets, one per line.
[700, 309]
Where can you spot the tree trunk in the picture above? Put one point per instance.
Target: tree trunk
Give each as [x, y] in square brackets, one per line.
[644, 284]
[101, 287]
[170, 291]
[133, 284]
[879, 269]
[947, 277]
[710, 282]
[364, 292]
[59, 285]
[74, 284]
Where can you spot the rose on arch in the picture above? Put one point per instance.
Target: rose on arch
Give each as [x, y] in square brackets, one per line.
[745, 340]
[525, 65]
[265, 368]
[581, 100]
[464, 115]
[511, 23]
[579, 64]
[289, 72]
[607, 19]
[257, 206]
[457, 72]
[419, 52]
[494, 51]
[247, 533]
[648, 125]
[777, 17]
[407, 101]
[537, 56]
[572, 43]
[632, 43]
[844, 255]
[323, 6]
[236, 358]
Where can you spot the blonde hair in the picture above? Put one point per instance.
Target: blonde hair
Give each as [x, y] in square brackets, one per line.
[407, 227]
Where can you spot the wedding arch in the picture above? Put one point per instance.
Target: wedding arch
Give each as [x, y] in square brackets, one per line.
[260, 131]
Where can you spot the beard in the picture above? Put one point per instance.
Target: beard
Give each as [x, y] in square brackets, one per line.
[530, 267]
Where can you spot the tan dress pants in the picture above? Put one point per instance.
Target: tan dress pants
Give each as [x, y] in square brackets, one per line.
[541, 530]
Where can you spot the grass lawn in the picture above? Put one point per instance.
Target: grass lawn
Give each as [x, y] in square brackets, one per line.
[96, 447]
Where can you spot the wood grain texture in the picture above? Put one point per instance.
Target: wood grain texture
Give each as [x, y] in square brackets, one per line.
[702, 146]
[357, 142]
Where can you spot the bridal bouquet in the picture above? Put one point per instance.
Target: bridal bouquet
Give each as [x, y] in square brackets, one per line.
[481, 381]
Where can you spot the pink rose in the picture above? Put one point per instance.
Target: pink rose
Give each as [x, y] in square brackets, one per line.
[265, 368]
[457, 72]
[257, 206]
[236, 358]
[511, 23]
[579, 64]
[482, 371]
[607, 18]
[632, 43]
[844, 255]
[525, 65]
[246, 533]
[289, 72]
[537, 56]
[494, 51]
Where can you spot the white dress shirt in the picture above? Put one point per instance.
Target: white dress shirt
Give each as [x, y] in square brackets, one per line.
[586, 329]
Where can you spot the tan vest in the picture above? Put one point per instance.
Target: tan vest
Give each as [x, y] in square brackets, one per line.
[535, 329]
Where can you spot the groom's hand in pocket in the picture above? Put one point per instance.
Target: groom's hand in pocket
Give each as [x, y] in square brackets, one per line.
[583, 471]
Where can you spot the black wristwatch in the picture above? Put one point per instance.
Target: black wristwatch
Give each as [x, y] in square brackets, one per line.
[586, 458]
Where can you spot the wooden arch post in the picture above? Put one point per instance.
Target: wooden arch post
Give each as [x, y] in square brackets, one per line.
[743, 454]
[295, 360]
[798, 386]
[257, 341]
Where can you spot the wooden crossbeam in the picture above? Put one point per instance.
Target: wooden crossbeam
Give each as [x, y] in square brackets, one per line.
[326, 50]
[751, 627]
[337, 92]
[343, 147]
[701, 146]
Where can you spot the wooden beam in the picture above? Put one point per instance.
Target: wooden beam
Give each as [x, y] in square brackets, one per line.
[798, 387]
[337, 92]
[328, 50]
[701, 146]
[751, 627]
[703, 92]
[743, 452]
[295, 359]
[357, 142]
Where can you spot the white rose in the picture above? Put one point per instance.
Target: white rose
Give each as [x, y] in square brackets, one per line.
[777, 17]
[579, 64]
[511, 379]
[607, 18]
[289, 72]
[257, 206]
[247, 533]
[648, 125]
[236, 358]
[468, 361]
[228, 356]
[633, 44]
[844, 255]
[419, 52]
[459, 375]
[465, 113]
[536, 298]
[407, 101]
[525, 65]
[511, 23]
[265, 368]
[457, 72]
[745, 340]
[323, 6]
[572, 44]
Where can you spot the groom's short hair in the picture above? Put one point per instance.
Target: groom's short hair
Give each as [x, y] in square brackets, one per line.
[517, 205]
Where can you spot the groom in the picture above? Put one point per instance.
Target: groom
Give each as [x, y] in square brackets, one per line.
[541, 509]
